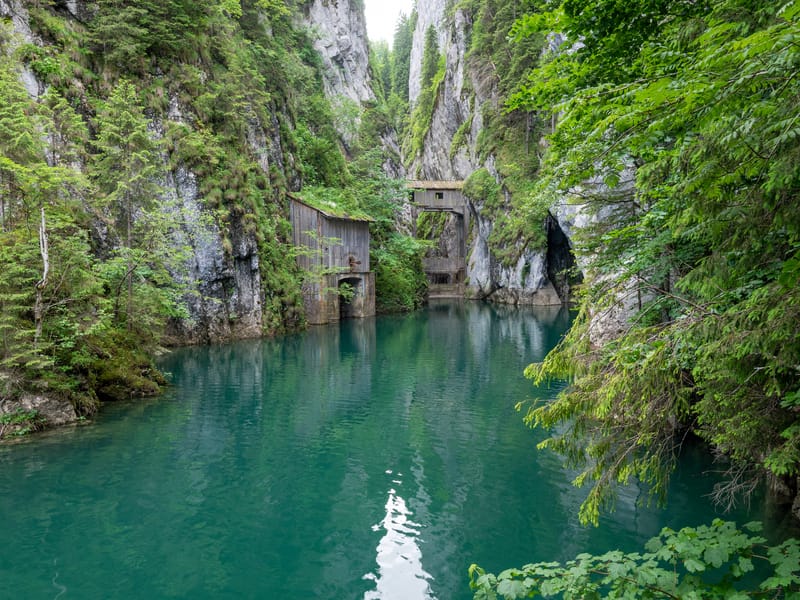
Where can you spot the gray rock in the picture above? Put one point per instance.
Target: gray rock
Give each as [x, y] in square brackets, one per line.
[462, 95]
[15, 11]
[53, 410]
[573, 215]
[431, 12]
[340, 33]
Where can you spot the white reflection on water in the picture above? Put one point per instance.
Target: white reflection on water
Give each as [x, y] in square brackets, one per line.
[400, 573]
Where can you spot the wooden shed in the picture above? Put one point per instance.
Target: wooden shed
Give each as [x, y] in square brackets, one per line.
[334, 253]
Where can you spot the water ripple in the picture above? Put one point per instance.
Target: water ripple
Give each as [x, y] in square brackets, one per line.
[400, 575]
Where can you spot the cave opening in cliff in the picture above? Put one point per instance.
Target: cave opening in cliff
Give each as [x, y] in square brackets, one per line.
[562, 270]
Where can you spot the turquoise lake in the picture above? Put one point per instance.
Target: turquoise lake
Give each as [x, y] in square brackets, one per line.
[375, 459]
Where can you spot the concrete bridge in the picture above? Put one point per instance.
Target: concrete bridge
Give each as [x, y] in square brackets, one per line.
[445, 273]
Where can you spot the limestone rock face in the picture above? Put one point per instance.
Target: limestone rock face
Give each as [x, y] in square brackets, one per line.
[339, 30]
[53, 410]
[430, 13]
[525, 281]
[341, 40]
[225, 300]
[14, 10]
[457, 119]
[572, 216]
[225, 297]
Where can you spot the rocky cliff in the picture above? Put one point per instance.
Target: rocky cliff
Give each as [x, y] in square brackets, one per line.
[224, 272]
[233, 132]
[451, 151]
[229, 302]
[340, 36]
[339, 31]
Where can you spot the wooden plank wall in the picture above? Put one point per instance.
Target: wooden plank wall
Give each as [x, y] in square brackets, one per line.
[313, 231]
[305, 219]
[450, 200]
[353, 239]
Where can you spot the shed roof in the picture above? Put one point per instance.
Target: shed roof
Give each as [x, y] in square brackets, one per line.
[435, 185]
[331, 211]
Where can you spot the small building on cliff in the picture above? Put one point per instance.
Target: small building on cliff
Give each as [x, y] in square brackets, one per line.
[333, 251]
[445, 266]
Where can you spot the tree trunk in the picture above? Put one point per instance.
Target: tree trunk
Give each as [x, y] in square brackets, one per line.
[130, 270]
[2, 208]
[38, 307]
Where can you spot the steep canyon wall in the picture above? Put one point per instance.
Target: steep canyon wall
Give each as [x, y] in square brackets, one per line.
[228, 297]
[452, 151]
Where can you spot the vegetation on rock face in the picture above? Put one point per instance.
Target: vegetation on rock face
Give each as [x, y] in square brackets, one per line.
[432, 76]
[395, 257]
[697, 102]
[20, 422]
[138, 95]
[673, 127]
[694, 104]
[401, 55]
[509, 137]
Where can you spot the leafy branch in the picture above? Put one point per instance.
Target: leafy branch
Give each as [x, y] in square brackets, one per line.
[706, 562]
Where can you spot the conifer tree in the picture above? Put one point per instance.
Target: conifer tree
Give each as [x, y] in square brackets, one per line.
[21, 152]
[37, 203]
[125, 169]
[401, 54]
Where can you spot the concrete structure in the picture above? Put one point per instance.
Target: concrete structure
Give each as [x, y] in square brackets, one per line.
[334, 253]
[445, 273]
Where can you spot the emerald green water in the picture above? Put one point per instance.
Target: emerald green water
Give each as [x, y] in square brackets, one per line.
[375, 459]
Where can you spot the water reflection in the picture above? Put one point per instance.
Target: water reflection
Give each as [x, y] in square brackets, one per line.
[400, 575]
[262, 474]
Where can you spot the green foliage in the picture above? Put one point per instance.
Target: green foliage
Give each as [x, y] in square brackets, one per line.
[430, 225]
[323, 163]
[716, 561]
[59, 304]
[18, 254]
[237, 69]
[430, 57]
[399, 279]
[460, 137]
[131, 373]
[623, 409]
[41, 321]
[695, 105]
[432, 76]
[125, 169]
[481, 187]
[346, 291]
[253, 123]
[517, 225]
[336, 201]
[126, 35]
[20, 422]
[511, 137]
[380, 62]
[396, 259]
[401, 55]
